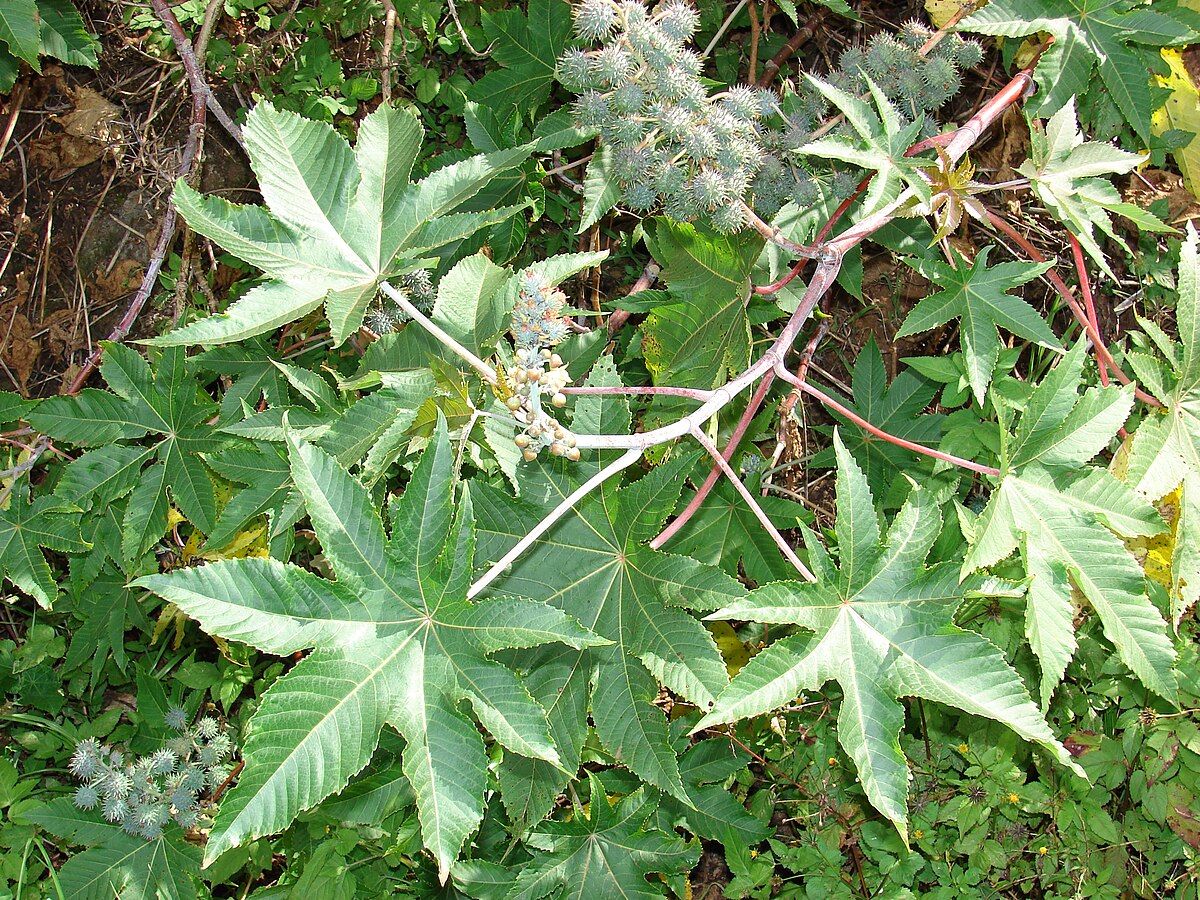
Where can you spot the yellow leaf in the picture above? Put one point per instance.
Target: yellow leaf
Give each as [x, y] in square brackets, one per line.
[940, 11]
[249, 542]
[191, 548]
[170, 615]
[1155, 553]
[734, 652]
[1182, 111]
[239, 658]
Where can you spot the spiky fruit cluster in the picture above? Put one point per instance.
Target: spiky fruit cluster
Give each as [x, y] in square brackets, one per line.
[672, 144]
[917, 84]
[143, 794]
[675, 147]
[387, 315]
[539, 375]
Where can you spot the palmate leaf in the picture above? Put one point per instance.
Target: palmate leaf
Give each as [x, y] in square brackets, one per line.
[715, 813]
[27, 527]
[595, 566]
[1165, 451]
[978, 295]
[264, 471]
[1063, 169]
[882, 627]
[726, 533]
[165, 402]
[604, 854]
[1089, 34]
[702, 334]
[107, 608]
[118, 864]
[252, 376]
[881, 145]
[897, 408]
[526, 47]
[1061, 515]
[394, 641]
[337, 221]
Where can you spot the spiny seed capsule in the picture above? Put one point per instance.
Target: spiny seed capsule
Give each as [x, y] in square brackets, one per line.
[559, 399]
[513, 402]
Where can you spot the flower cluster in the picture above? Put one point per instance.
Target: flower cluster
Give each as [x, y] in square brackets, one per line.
[143, 794]
[538, 327]
[386, 315]
[675, 147]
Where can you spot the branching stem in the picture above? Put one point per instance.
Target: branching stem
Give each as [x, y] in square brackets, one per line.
[762, 517]
[879, 432]
[624, 461]
[438, 332]
[828, 254]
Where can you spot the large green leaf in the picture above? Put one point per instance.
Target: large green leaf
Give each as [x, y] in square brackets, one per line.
[1089, 34]
[337, 221]
[896, 408]
[701, 335]
[526, 47]
[1061, 515]
[604, 854]
[163, 401]
[1064, 171]
[979, 296]
[883, 627]
[27, 527]
[595, 566]
[394, 640]
[64, 35]
[118, 864]
[879, 143]
[20, 30]
[1165, 452]
[725, 532]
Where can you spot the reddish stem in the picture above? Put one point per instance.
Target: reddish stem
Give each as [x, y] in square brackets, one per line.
[957, 142]
[646, 281]
[688, 393]
[879, 432]
[195, 71]
[776, 286]
[773, 66]
[831, 253]
[1085, 287]
[843, 207]
[789, 402]
[1102, 352]
[715, 473]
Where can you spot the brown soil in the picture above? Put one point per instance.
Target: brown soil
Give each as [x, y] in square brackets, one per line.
[84, 180]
